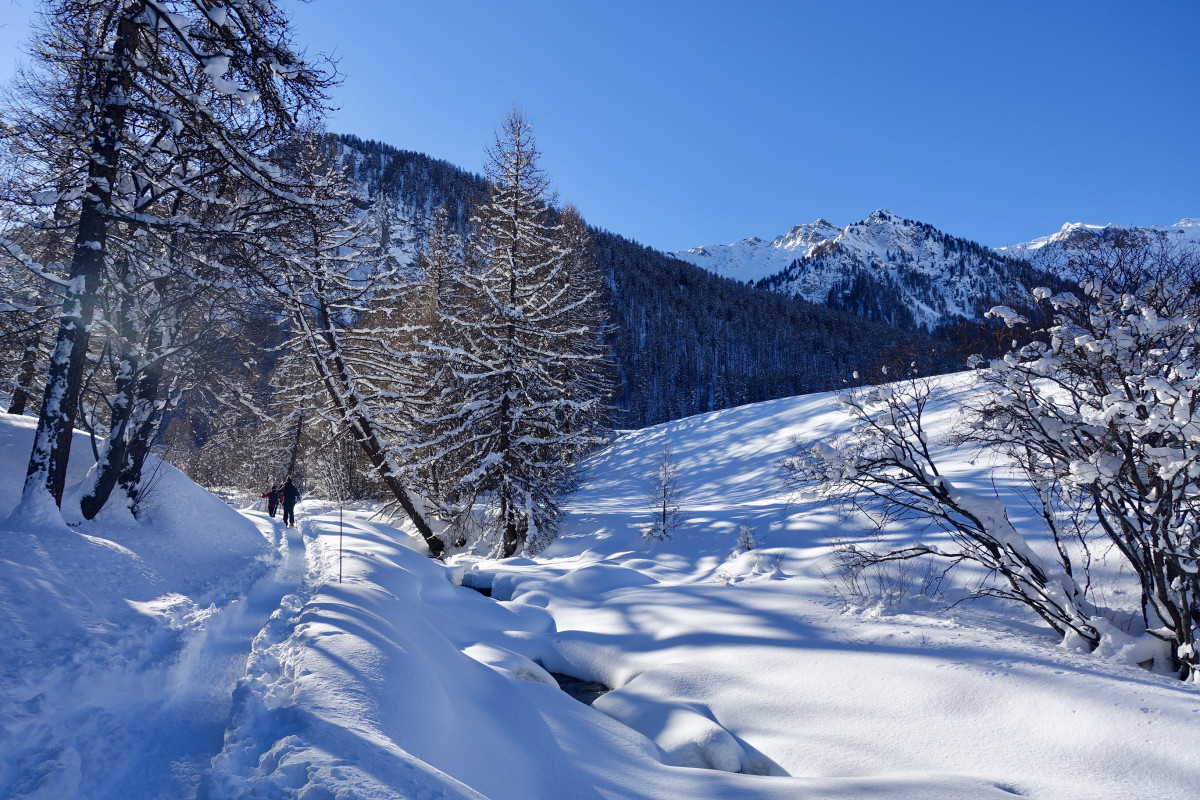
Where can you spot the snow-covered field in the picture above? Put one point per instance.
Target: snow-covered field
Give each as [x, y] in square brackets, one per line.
[207, 653]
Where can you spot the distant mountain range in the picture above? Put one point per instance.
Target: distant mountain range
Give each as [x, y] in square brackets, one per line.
[1055, 252]
[909, 273]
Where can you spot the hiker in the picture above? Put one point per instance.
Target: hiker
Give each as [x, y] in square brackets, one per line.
[290, 495]
[272, 498]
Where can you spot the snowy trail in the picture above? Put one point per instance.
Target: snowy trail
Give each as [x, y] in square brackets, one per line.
[142, 717]
[201, 698]
[186, 728]
[201, 707]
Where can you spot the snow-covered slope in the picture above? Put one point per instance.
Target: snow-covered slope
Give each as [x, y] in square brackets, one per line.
[884, 267]
[1054, 252]
[214, 655]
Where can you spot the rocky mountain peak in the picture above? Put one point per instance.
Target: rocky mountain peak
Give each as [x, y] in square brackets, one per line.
[884, 267]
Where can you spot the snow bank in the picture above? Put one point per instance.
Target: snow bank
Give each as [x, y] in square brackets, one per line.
[396, 681]
[99, 625]
[735, 659]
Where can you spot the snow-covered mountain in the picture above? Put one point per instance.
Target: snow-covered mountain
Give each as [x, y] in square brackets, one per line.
[884, 267]
[1056, 251]
[754, 259]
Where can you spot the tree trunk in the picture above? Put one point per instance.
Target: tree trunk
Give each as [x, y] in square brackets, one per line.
[136, 416]
[108, 466]
[26, 375]
[60, 405]
[143, 431]
[335, 376]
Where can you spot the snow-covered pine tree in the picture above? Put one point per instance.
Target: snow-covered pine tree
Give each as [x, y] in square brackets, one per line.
[324, 268]
[439, 452]
[522, 424]
[151, 101]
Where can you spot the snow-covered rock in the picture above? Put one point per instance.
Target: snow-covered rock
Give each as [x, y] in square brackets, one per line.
[754, 259]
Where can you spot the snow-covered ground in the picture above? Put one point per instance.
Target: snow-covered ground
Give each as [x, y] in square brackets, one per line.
[206, 653]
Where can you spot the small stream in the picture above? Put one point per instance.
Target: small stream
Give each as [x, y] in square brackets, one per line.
[585, 692]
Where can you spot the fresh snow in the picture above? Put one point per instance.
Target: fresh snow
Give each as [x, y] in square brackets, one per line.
[203, 652]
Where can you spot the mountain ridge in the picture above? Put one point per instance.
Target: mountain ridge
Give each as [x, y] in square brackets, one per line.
[1056, 251]
[912, 274]
[886, 267]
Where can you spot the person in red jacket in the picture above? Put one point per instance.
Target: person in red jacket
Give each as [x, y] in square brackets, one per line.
[272, 498]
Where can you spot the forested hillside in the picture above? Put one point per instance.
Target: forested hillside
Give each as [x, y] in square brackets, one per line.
[682, 339]
[688, 341]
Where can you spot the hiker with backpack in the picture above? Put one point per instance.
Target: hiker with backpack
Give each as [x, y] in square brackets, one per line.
[290, 494]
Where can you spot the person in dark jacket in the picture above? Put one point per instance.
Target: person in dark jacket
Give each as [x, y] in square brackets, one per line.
[290, 495]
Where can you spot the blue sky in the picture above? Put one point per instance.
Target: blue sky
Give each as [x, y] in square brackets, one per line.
[686, 123]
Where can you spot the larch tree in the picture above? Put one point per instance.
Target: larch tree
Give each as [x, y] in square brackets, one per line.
[522, 422]
[324, 269]
[662, 495]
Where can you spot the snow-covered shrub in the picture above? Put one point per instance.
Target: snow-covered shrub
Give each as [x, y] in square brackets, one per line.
[858, 579]
[885, 468]
[748, 561]
[1103, 412]
[747, 540]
